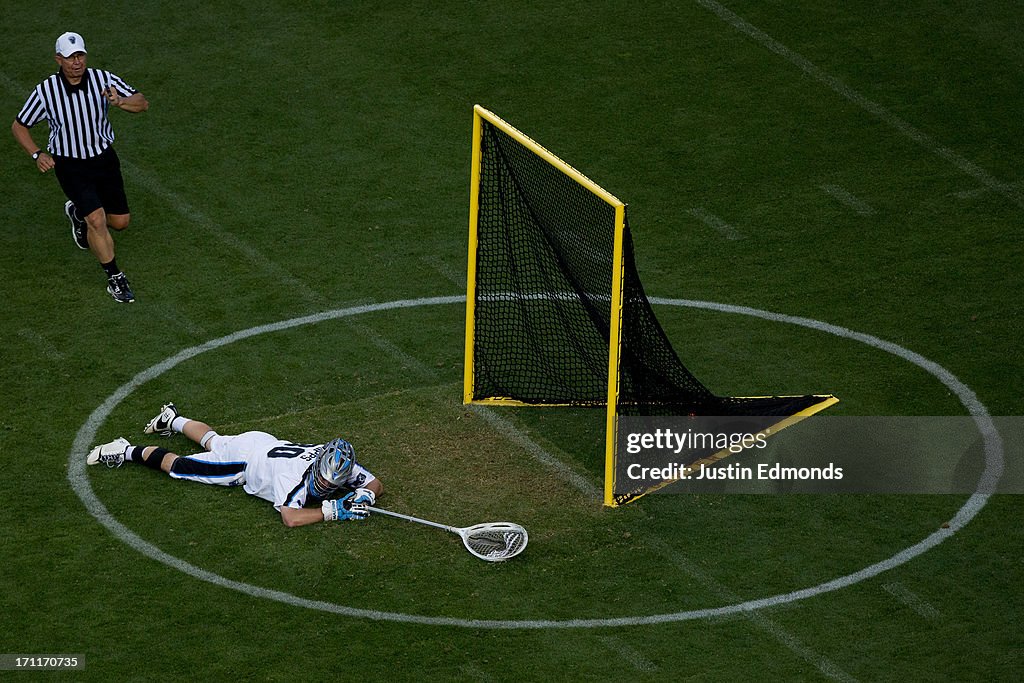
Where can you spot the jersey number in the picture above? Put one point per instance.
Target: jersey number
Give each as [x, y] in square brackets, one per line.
[291, 450]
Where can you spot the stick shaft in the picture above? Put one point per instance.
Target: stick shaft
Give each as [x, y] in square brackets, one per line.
[413, 519]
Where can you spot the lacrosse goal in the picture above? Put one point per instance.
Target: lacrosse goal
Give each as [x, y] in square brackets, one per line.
[555, 311]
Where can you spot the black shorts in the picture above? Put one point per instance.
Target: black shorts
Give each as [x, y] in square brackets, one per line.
[93, 183]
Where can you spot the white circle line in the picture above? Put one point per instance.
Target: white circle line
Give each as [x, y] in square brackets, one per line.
[87, 432]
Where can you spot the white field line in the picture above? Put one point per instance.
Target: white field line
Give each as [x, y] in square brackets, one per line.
[168, 311]
[966, 513]
[994, 452]
[912, 600]
[509, 430]
[154, 186]
[404, 359]
[629, 654]
[473, 672]
[40, 343]
[715, 223]
[1012, 193]
[500, 424]
[825, 666]
[209, 227]
[14, 88]
[844, 196]
[454, 276]
[269, 267]
[971, 194]
[87, 433]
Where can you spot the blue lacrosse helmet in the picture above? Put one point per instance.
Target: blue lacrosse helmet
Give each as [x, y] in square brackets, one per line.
[332, 467]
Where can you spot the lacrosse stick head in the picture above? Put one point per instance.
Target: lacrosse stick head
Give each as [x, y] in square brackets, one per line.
[495, 541]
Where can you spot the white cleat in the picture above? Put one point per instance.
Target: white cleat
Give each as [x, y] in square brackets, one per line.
[110, 454]
[161, 424]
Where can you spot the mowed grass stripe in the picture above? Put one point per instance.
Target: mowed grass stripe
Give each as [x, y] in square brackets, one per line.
[366, 126]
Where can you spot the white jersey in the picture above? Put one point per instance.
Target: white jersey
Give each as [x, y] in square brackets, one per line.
[264, 465]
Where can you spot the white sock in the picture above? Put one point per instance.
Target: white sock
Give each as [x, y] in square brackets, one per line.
[178, 423]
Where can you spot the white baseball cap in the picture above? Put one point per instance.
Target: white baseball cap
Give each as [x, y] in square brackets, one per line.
[69, 43]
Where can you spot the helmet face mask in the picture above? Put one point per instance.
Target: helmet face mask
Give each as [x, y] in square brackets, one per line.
[332, 467]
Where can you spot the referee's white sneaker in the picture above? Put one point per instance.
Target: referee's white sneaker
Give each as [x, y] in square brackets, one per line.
[79, 230]
[161, 424]
[110, 454]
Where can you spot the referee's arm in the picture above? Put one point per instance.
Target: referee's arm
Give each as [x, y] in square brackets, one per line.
[44, 162]
[134, 104]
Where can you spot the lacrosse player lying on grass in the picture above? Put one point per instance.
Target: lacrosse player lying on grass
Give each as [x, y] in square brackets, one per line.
[306, 483]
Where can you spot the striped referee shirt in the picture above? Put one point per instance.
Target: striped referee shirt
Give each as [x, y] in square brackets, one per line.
[77, 114]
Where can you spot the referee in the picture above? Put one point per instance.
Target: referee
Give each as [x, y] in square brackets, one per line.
[74, 103]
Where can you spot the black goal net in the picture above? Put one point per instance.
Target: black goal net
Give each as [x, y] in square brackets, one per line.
[544, 305]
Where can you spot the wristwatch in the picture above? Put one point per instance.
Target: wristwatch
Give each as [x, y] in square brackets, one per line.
[35, 155]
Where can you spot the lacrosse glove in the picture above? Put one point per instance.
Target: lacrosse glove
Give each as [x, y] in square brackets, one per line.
[364, 497]
[341, 509]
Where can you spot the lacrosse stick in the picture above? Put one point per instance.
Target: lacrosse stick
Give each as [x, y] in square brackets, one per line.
[491, 541]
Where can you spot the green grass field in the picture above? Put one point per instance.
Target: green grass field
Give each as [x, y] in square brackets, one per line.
[858, 165]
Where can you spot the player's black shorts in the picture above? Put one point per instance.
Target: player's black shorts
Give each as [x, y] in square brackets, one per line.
[93, 183]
